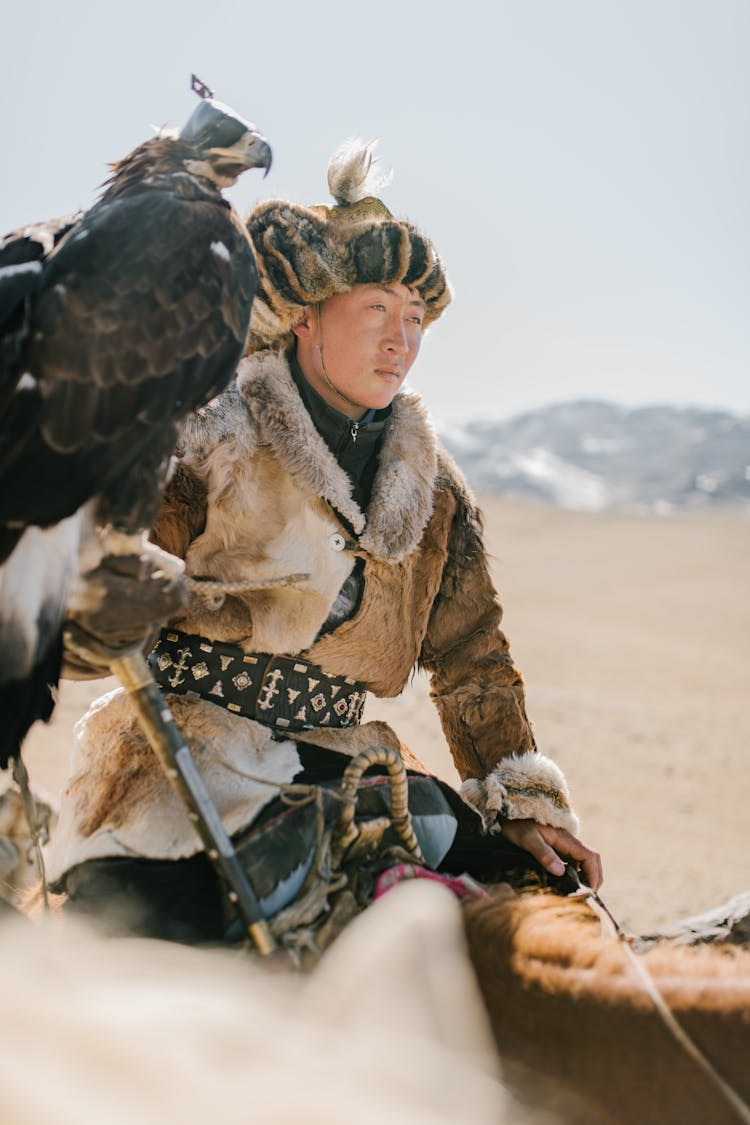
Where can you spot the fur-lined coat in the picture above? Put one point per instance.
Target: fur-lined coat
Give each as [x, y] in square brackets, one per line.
[258, 495]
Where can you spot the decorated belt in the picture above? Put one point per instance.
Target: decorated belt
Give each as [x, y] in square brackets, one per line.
[280, 691]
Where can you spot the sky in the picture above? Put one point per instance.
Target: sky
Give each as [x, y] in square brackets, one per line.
[583, 166]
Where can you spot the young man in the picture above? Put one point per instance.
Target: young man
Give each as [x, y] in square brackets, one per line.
[321, 487]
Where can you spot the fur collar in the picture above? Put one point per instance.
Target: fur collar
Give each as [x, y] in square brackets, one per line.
[402, 495]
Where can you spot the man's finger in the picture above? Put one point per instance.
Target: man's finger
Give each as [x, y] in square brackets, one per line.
[572, 848]
[544, 854]
[592, 871]
[561, 838]
[551, 862]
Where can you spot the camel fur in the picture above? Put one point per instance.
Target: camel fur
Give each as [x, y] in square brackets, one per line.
[566, 1007]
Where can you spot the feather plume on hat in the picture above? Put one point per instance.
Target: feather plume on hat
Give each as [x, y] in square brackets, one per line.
[306, 254]
[354, 173]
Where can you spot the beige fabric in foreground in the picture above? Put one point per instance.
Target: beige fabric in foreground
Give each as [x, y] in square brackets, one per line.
[389, 1028]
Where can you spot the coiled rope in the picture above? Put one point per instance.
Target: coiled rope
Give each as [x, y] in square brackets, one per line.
[209, 593]
[400, 817]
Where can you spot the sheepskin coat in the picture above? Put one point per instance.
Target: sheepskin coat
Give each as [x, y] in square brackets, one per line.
[258, 495]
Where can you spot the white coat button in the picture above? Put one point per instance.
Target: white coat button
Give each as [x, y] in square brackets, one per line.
[337, 541]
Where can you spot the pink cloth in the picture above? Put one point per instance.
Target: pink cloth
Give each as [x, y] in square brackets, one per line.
[463, 886]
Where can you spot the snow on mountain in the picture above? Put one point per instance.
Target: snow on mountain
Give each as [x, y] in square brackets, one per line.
[592, 455]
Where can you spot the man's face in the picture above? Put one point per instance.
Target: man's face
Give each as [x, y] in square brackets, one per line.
[370, 337]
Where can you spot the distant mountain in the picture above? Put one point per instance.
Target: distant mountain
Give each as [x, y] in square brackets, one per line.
[594, 455]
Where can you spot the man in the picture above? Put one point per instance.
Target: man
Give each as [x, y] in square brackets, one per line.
[352, 551]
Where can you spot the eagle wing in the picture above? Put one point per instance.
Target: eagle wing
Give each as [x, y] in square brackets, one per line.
[140, 316]
[22, 253]
[109, 335]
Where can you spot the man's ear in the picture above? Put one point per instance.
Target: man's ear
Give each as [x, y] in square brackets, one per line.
[303, 329]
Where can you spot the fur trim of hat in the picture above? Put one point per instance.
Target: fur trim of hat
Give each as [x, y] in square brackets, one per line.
[307, 254]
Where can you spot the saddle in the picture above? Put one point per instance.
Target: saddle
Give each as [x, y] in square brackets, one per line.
[329, 843]
[316, 855]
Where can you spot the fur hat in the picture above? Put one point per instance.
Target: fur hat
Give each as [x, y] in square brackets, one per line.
[307, 254]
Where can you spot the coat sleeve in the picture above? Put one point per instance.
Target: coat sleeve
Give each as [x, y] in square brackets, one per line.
[479, 692]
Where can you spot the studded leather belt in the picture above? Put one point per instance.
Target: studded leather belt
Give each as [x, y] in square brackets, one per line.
[280, 691]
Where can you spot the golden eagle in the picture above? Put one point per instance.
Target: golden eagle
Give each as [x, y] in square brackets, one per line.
[114, 324]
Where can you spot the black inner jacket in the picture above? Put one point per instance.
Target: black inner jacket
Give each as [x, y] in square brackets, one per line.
[355, 445]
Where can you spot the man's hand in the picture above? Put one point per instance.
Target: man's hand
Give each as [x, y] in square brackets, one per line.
[552, 847]
[119, 606]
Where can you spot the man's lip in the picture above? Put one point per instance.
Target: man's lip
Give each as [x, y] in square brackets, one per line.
[392, 371]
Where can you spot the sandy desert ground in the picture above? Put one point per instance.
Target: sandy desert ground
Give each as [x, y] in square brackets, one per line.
[633, 634]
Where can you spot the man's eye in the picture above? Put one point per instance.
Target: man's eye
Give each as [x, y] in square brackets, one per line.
[381, 307]
[416, 320]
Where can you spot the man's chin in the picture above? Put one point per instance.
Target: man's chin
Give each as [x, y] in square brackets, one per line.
[382, 396]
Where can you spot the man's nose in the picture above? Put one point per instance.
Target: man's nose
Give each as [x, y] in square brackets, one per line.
[396, 340]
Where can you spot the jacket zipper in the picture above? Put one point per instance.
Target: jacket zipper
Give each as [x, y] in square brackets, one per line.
[354, 430]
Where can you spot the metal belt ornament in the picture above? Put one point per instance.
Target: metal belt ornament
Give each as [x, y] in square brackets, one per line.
[280, 691]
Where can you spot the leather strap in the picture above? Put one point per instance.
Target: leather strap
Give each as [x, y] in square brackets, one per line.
[280, 691]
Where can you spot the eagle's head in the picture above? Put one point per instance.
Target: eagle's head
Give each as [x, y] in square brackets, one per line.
[225, 145]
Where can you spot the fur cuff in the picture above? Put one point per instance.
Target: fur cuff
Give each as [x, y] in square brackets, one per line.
[520, 786]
